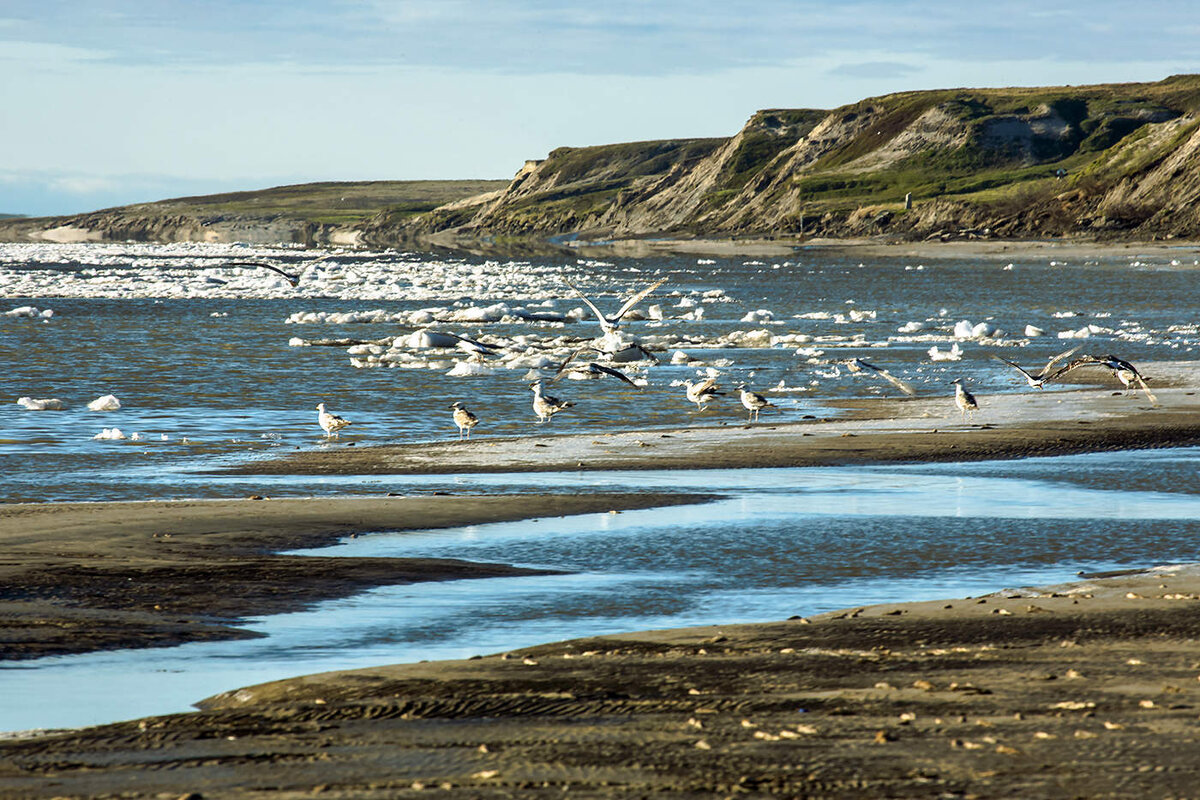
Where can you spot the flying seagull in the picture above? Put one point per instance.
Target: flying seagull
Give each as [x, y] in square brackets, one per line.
[464, 419]
[963, 399]
[611, 324]
[546, 406]
[590, 370]
[1125, 372]
[856, 365]
[294, 280]
[330, 423]
[1039, 379]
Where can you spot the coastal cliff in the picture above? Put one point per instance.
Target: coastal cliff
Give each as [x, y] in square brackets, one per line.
[1110, 161]
[1114, 161]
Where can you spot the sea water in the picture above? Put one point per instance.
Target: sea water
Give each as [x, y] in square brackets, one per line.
[211, 367]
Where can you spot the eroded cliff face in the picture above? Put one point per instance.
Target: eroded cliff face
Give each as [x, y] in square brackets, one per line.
[1102, 160]
[1119, 160]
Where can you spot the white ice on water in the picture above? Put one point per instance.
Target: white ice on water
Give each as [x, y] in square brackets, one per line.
[45, 404]
[106, 402]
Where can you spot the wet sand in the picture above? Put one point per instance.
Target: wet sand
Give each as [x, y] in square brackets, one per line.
[874, 431]
[79, 577]
[1088, 690]
[884, 246]
[1081, 691]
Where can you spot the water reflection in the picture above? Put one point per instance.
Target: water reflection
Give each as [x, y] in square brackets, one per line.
[782, 542]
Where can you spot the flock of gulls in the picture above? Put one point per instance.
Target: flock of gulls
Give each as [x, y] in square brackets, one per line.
[705, 392]
[605, 356]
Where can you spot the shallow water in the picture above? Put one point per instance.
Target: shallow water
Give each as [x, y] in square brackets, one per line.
[205, 356]
[783, 542]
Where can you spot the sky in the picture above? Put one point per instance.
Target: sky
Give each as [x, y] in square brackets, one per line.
[108, 102]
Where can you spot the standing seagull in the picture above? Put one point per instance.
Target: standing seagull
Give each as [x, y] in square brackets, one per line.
[611, 324]
[1038, 380]
[464, 419]
[330, 423]
[544, 405]
[753, 402]
[964, 399]
[702, 392]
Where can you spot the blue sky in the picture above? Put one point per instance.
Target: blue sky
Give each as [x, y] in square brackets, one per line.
[107, 102]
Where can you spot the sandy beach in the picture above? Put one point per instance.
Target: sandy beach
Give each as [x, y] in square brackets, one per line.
[1081, 690]
[1087, 690]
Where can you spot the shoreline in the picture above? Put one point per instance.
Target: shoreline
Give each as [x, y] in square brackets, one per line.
[780, 246]
[1082, 689]
[84, 577]
[876, 431]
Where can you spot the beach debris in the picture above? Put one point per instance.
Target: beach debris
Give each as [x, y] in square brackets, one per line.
[955, 353]
[30, 312]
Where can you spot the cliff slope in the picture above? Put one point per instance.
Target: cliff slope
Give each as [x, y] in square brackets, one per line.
[1106, 160]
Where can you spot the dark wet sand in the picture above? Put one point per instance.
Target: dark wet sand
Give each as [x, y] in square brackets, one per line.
[1082, 691]
[1088, 691]
[78, 577]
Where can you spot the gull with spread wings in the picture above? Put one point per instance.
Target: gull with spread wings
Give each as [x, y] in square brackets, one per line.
[1125, 372]
[857, 365]
[1037, 380]
[612, 324]
[589, 369]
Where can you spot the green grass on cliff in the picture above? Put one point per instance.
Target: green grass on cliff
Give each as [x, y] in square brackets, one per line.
[329, 203]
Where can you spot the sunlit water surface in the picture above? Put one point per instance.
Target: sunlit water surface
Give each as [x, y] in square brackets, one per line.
[782, 542]
[210, 371]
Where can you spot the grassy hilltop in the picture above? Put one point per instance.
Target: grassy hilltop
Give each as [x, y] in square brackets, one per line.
[1104, 161]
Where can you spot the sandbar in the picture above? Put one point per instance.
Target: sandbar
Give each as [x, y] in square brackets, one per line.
[80, 577]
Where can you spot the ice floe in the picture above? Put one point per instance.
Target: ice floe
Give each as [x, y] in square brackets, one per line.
[45, 404]
[106, 402]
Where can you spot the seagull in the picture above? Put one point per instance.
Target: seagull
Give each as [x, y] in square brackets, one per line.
[1125, 372]
[590, 370]
[330, 423]
[464, 419]
[856, 365]
[544, 405]
[963, 399]
[294, 280]
[1038, 380]
[753, 402]
[702, 392]
[611, 324]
